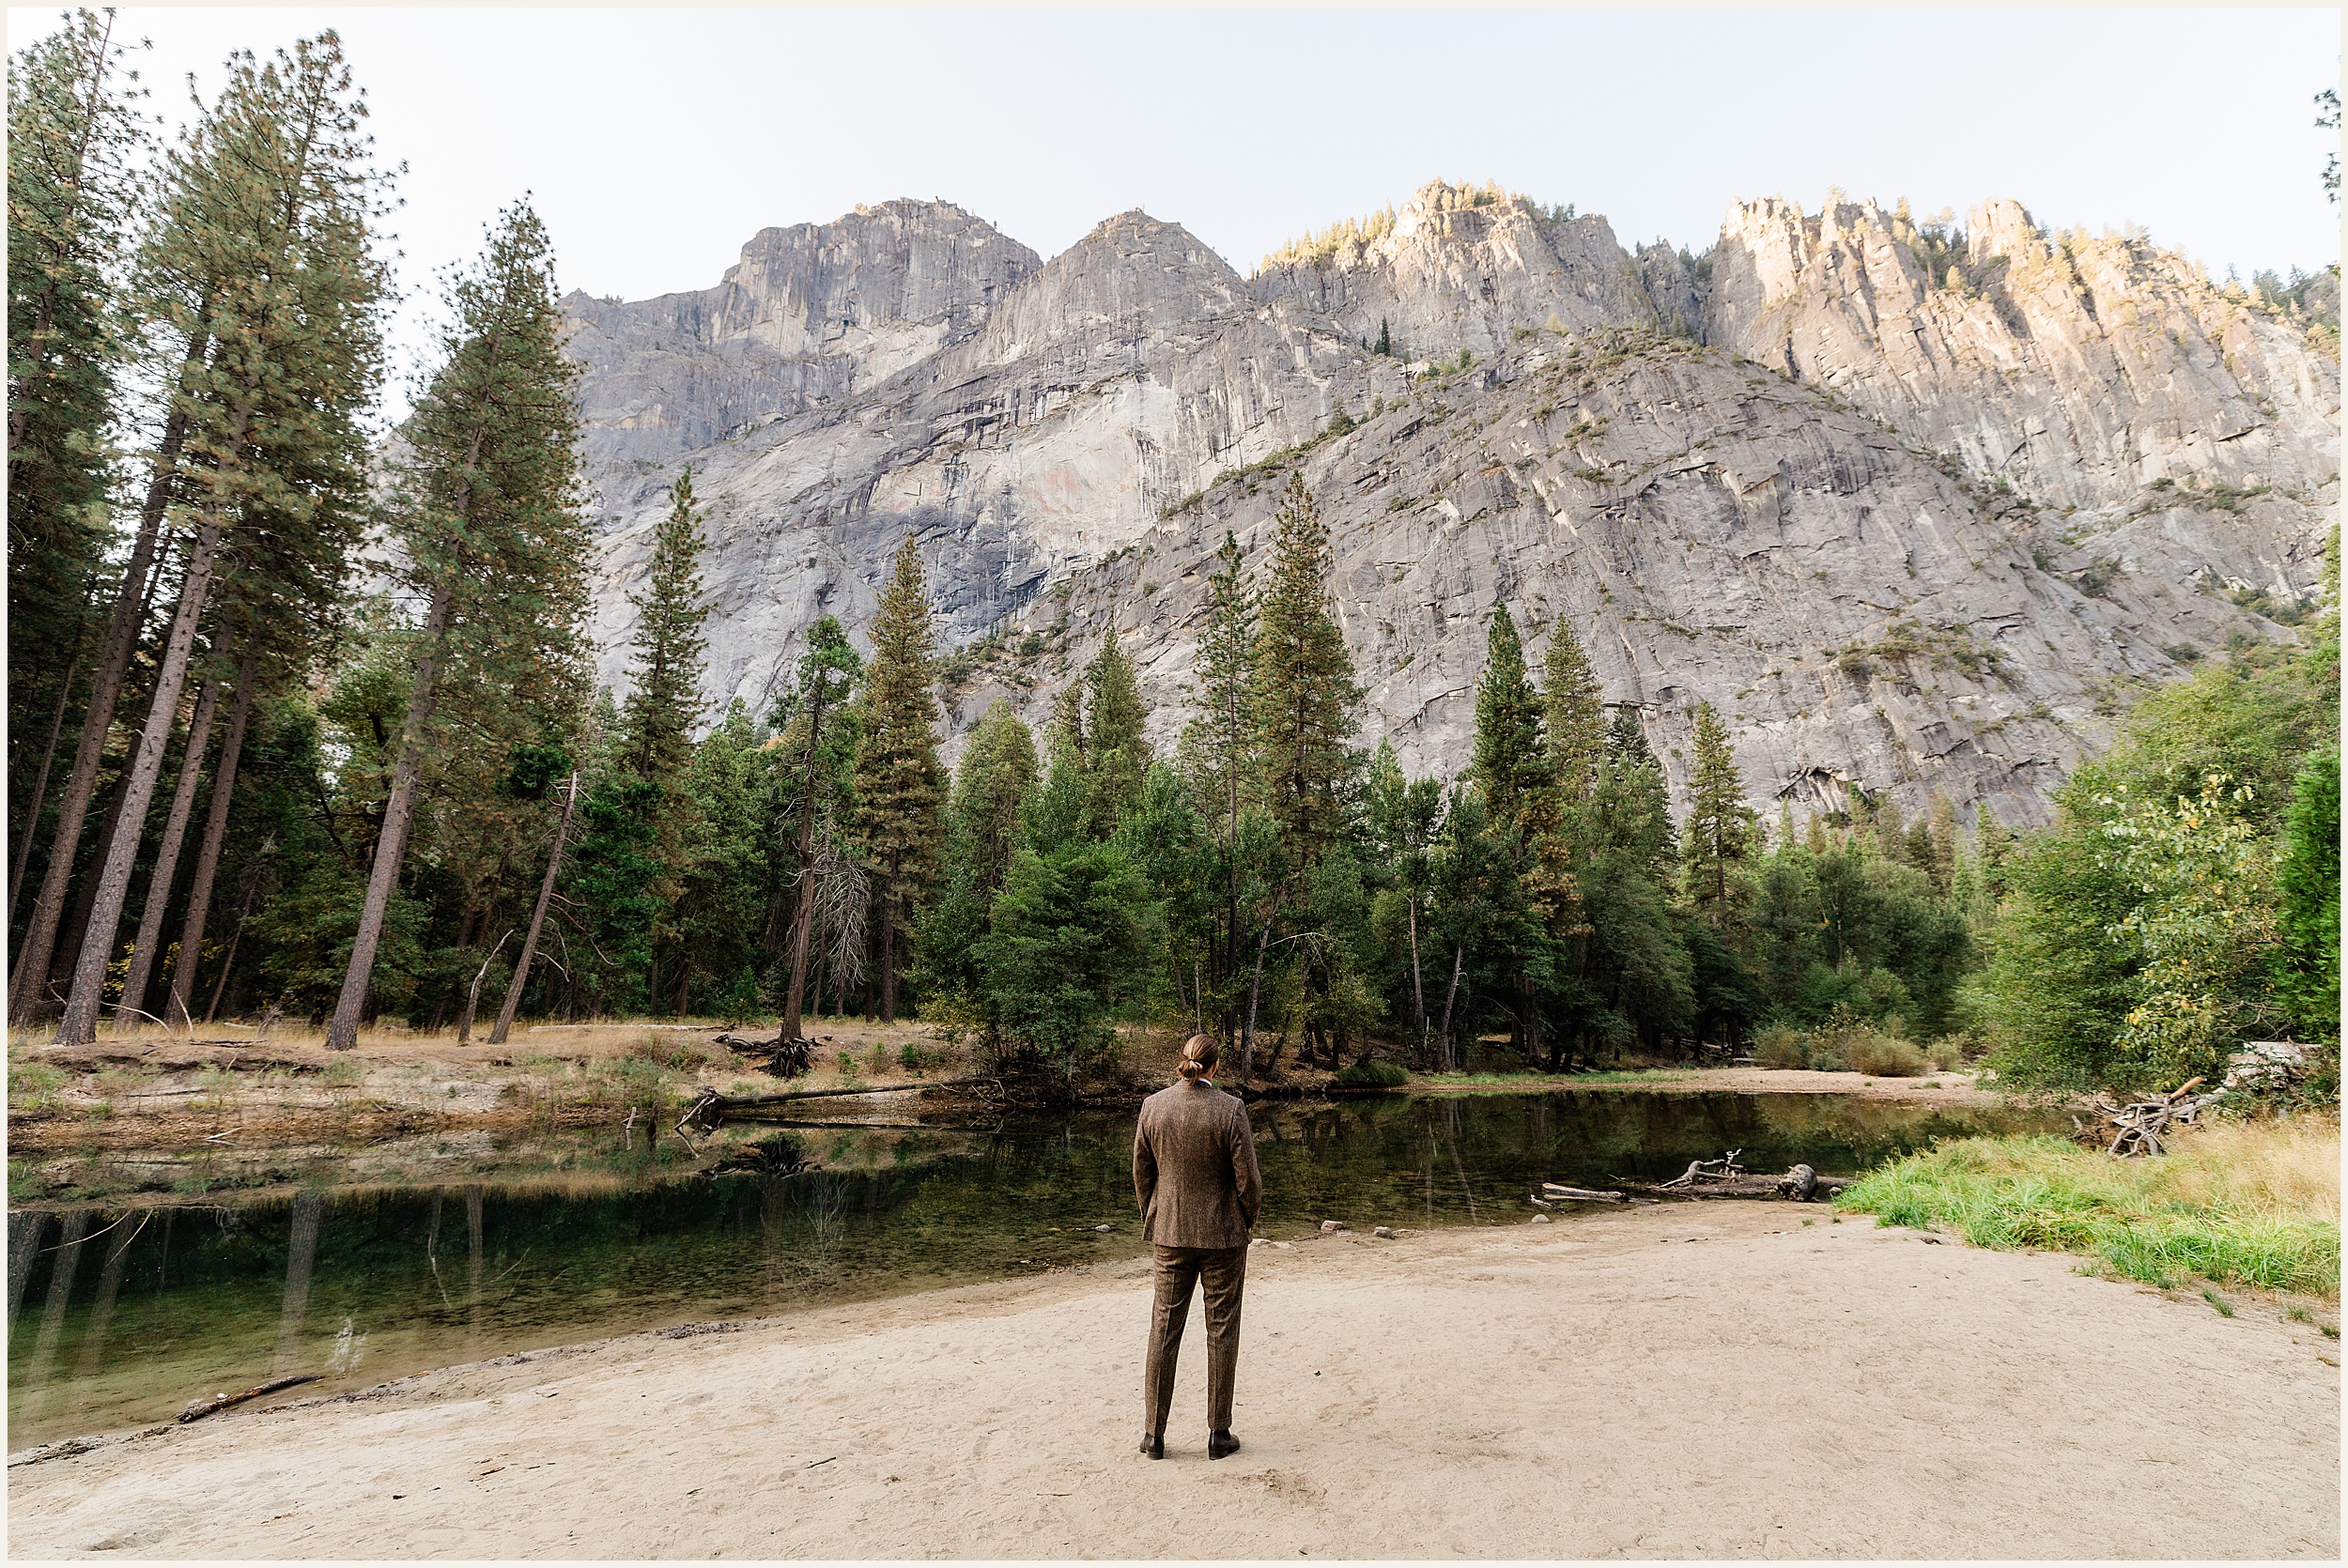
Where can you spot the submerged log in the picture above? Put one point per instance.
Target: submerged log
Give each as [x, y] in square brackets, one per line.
[1803, 1184]
[709, 1110]
[219, 1402]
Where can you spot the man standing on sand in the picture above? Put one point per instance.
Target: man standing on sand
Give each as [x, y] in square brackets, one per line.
[1195, 1173]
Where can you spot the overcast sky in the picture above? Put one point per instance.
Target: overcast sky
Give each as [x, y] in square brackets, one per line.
[656, 141]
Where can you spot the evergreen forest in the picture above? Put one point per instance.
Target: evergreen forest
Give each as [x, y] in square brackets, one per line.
[249, 780]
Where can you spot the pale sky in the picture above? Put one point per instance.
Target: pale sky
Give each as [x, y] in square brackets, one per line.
[656, 141]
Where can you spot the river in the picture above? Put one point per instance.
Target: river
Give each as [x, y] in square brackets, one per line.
[122, 1312]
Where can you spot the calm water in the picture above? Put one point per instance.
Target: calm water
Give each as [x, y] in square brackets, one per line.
[121, 1314]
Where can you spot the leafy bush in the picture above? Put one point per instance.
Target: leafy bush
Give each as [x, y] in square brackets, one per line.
[1371, 1075]
[1782, 1045]
[1882, 1055]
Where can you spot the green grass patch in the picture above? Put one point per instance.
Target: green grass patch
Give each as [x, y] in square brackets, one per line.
[2246, 1204]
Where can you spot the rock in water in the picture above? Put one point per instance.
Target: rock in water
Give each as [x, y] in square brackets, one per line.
[1540, 1220]
[1330, 1227]
[1383, 1233]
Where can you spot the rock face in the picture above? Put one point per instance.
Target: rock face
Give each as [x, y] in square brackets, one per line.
[1924, 534]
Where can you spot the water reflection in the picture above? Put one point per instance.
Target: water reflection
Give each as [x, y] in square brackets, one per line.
[363, 1283]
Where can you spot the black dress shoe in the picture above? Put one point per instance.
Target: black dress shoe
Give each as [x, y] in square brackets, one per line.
[1221, 1443]
[1153, 1447]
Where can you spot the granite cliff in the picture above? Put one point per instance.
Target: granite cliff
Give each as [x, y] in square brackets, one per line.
[1914, 505]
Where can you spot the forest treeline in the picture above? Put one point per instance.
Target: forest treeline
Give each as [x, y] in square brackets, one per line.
[247, 781]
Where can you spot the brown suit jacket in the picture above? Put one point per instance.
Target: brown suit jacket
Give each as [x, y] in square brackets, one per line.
[1195, 1168]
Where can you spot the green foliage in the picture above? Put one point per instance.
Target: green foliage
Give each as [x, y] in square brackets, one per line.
[2307, 973]
[665, 703]
[1071, 934]
[1371, 1075]
[2149, 929]
[73, 137]
[1115, 755]
[900, 787]
[1717, 836]
[1303, 688]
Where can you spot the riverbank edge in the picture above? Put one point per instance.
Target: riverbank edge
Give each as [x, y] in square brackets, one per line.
[105, 1128]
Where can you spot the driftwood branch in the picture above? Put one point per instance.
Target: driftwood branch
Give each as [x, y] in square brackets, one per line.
[219, 1402]
[2134, 1129]
[1699, 1170]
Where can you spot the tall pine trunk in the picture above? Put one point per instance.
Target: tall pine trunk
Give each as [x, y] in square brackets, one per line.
[79, 1026]
[40, 787]
[207, 853]
[31, 976]
[166, 870]
[538, 923]
[343, 1033]
[888, 949]
[803, 899]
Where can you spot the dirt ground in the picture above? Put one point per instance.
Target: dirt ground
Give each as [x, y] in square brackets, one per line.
[1700, 1380]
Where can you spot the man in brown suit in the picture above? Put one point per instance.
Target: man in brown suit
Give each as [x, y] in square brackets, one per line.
[1195, 1173]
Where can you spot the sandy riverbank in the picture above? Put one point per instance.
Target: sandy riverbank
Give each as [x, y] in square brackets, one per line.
[1680, 1381]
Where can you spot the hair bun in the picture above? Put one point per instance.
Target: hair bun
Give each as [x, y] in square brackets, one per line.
[1200, 1054]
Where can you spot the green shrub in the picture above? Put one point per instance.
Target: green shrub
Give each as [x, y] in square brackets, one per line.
[1371, 1075]
[1780, 1045]
[1882, 1055]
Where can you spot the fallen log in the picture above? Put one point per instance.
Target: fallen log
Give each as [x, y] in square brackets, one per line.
[1579, 1194]
[219, 1402]
[710, 1110]
[1802, 1185]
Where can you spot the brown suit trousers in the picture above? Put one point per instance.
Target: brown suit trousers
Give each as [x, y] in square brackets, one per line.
[1223, 1271]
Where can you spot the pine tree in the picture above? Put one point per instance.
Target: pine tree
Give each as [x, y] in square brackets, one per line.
[1116, 755]
[1508, 764]
[1717, 840]
[73, 133]
[487, 515]
[281, 214]
[1305, 693]
[900, 787]
[1055, 814]
[996, 778]
[1572, 713]
[1385, 338]
[815, 716]
[665, 705]
[1222, 736]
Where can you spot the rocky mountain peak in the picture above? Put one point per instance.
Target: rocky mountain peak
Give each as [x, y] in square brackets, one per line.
[1133, 276]
[1460, 266]
[809, 314]
[1915, 504]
